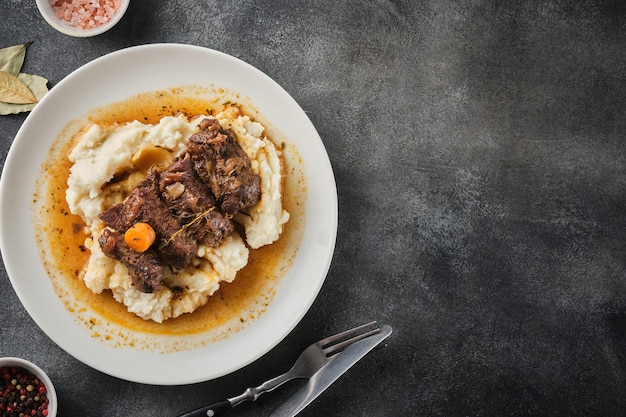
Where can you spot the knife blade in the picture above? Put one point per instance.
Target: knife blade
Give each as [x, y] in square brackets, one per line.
[329, 374]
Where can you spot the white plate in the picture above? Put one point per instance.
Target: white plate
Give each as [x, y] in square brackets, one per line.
[116, 77]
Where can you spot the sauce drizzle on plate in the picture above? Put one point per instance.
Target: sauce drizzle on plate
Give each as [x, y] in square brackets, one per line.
[62, 236]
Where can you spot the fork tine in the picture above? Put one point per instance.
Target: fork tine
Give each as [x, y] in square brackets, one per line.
[345, 334]
[338, 342]
[338, 347]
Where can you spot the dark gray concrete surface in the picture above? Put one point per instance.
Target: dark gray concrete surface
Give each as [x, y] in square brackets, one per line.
[480, 158]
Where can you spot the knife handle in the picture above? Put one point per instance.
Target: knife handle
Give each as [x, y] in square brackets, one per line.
[213, 410]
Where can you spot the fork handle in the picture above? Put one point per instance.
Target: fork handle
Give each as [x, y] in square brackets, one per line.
[213, 410]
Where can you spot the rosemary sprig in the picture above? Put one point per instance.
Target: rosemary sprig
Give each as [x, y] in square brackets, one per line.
[187, 225]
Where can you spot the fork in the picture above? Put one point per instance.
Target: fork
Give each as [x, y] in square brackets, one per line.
[311, 360]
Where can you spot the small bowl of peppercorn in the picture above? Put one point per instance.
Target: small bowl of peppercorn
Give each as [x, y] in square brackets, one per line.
[25, 390]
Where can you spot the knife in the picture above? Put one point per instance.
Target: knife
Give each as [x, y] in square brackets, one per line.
[329, 374]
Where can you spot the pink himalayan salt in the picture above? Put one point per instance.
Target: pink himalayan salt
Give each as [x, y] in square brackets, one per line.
[85, 14]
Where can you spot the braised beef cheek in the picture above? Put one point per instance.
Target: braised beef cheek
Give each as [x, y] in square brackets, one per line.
[191, 202]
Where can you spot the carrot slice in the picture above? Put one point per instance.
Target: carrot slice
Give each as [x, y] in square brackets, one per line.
[140, 236]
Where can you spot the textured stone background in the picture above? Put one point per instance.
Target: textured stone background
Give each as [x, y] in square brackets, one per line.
[479, 154]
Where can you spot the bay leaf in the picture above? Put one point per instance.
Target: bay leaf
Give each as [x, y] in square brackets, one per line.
[12, 58]
[13, 90]
[36, 84]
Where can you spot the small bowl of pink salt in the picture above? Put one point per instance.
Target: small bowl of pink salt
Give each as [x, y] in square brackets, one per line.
[82, 18]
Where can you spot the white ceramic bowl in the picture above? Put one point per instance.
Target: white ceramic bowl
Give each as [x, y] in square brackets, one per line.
[10, 362]
[62, 26]
[166, 358]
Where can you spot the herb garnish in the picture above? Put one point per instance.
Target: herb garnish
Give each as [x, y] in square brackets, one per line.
[19, 92]
[187, 225]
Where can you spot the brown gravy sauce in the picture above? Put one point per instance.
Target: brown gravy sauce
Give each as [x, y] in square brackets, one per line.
[62, 235]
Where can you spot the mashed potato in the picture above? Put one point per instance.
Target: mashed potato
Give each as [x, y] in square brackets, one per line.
[106, 152]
